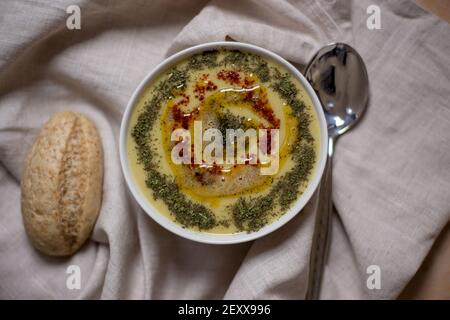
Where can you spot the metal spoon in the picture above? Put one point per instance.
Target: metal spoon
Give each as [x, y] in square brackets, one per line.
[338, 75]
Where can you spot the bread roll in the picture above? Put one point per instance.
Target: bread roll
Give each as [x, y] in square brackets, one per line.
[62, 184]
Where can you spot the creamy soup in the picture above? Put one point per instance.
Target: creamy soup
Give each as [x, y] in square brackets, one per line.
[223, 90]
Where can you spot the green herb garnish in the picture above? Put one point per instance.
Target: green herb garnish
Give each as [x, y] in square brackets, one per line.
[248, 62]
[202, 60]
[186, 212]
[247, 213]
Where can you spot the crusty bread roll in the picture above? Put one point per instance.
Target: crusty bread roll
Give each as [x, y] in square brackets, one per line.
[62, 184]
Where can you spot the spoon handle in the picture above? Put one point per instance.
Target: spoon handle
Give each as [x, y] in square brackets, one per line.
[321, 237]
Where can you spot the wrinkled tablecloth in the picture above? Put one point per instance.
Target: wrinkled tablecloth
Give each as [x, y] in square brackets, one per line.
[391, 175]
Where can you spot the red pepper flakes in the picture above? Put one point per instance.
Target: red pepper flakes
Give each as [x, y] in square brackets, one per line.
[248, 82]
[214, 169]
[201, 88]
[261, 105]
[229, 76]
[183, 101]
[210, 86]
[181, 118]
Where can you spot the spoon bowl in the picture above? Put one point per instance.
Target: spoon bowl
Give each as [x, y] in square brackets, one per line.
[339, 77]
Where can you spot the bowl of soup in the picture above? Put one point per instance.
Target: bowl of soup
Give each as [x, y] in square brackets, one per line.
[223, 143]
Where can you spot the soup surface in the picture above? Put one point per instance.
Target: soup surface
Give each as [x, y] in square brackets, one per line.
[192, 109]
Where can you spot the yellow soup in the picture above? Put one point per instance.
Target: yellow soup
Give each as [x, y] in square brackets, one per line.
[184, 148]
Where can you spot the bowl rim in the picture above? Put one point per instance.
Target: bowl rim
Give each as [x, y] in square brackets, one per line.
[210, 238]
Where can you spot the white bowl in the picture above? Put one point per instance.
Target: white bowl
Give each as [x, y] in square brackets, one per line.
[219, 238]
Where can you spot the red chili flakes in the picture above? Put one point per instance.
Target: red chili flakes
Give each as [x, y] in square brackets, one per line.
[248, 82]
[201, 172]
[210, 86]
[183, 101]
[229, 76]
[261, 106]
[248, 95]
[199, 91]
[201, 88]
[178, 114]
[181, 118]
[215, 169]
[260, 103]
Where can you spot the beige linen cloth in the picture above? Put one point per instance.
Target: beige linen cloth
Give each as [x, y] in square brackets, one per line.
[391, 173]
